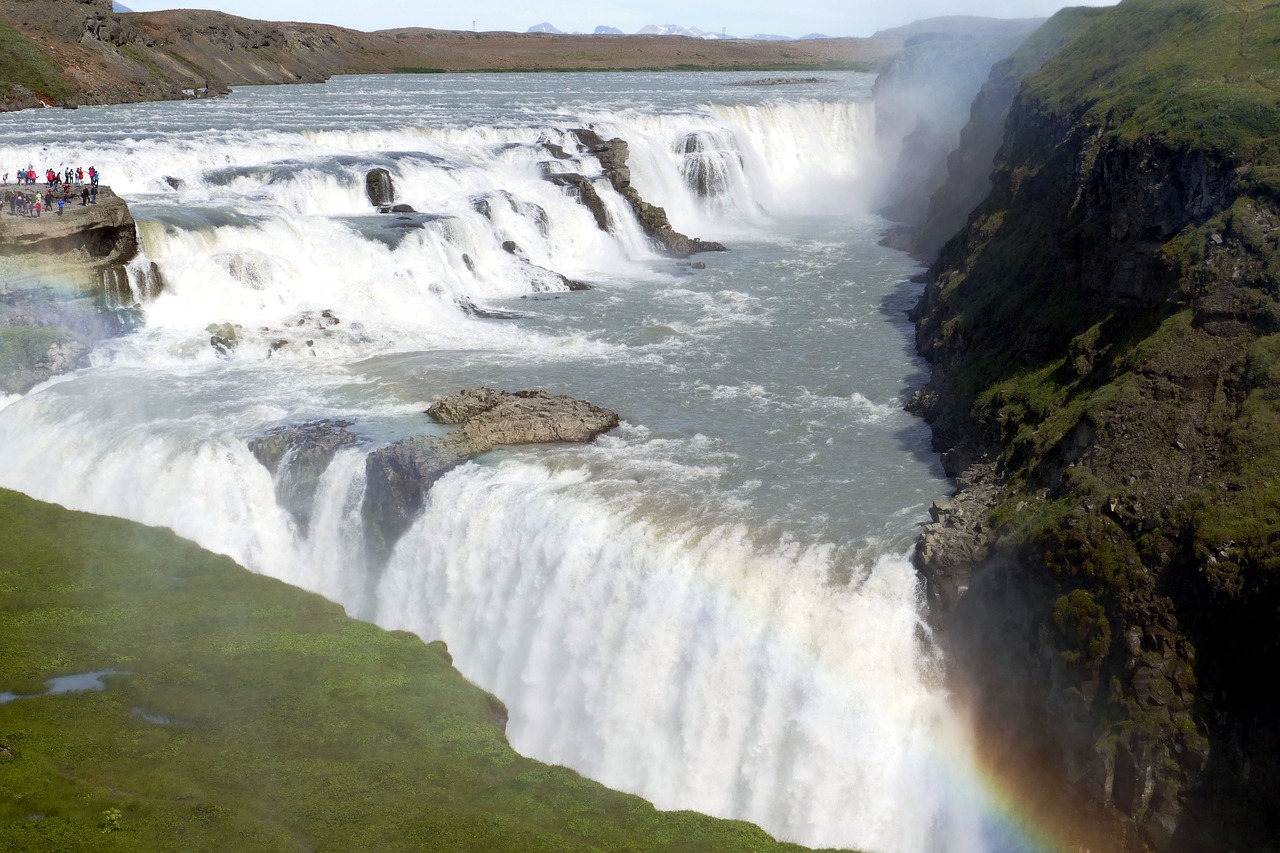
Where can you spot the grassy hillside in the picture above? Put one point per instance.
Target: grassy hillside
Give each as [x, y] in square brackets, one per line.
[1199, 75]
[26, 72]
[246, 715]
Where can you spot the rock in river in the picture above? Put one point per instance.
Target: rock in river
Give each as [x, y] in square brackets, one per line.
[399, 476]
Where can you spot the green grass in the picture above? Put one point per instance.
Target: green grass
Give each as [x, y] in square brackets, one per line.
[22, 64]
[1197, 74]
[290, 726]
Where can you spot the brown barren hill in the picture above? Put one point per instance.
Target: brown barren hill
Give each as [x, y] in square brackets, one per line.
[71, 52]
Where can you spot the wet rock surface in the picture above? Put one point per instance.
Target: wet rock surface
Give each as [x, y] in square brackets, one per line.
[297, 457]
[613, 154]
[379, 189]
[399, 476]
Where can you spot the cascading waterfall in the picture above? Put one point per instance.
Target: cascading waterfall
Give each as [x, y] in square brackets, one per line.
[664, 610]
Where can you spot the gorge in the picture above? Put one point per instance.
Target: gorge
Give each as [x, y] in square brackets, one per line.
[713, 606]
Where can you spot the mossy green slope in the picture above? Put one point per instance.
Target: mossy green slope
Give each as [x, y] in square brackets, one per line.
[1106, 329]
[26, 72]
[248, 715]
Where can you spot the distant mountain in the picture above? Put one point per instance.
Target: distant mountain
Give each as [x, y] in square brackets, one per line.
[812, 36]
[677, 30]
[663, 30]
[674, 30]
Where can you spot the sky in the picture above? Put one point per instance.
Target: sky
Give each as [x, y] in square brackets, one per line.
[737, 17]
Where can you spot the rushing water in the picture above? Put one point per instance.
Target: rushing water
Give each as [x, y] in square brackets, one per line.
[712, 606]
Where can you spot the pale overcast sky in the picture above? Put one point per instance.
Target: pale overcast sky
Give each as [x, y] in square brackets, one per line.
[738, 17]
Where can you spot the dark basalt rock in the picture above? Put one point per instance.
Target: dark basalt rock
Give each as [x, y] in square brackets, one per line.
[380, 189]
[612, 155]
[581, 189]
[557, 151]
[297, 456]
[473, 310]
[399, 476]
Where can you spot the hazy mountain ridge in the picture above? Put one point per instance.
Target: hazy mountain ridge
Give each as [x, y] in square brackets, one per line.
[675, 30]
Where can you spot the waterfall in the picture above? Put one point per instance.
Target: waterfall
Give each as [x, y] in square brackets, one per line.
[664, 610]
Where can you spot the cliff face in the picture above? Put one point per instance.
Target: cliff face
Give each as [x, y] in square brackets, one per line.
[922, 97]
[64, 285]
[969, 165]
[1105, 333]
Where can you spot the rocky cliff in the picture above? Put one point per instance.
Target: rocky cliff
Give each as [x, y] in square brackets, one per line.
[64, 284]
[1105, 335]
[968, 166]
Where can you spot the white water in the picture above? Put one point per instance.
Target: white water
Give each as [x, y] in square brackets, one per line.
[711, 607]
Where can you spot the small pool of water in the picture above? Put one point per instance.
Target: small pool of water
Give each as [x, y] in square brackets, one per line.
[80, 683]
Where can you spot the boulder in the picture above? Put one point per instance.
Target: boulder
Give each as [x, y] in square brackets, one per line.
[223, 337]
[399, 476]
[379, 188]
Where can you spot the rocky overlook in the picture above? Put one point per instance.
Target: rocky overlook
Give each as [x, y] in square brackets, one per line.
[1105, 335]
[97, 235]
[64, 285]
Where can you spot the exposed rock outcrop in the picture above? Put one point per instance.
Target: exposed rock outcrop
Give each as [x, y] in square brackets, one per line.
[400, 475]
[297, 457]
[957, 538]
[581, 189]
[97, 235]
[75, 288]
[612, 155]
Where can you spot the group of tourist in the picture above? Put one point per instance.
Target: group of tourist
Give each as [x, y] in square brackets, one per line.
[54, 177]
[58, 190]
